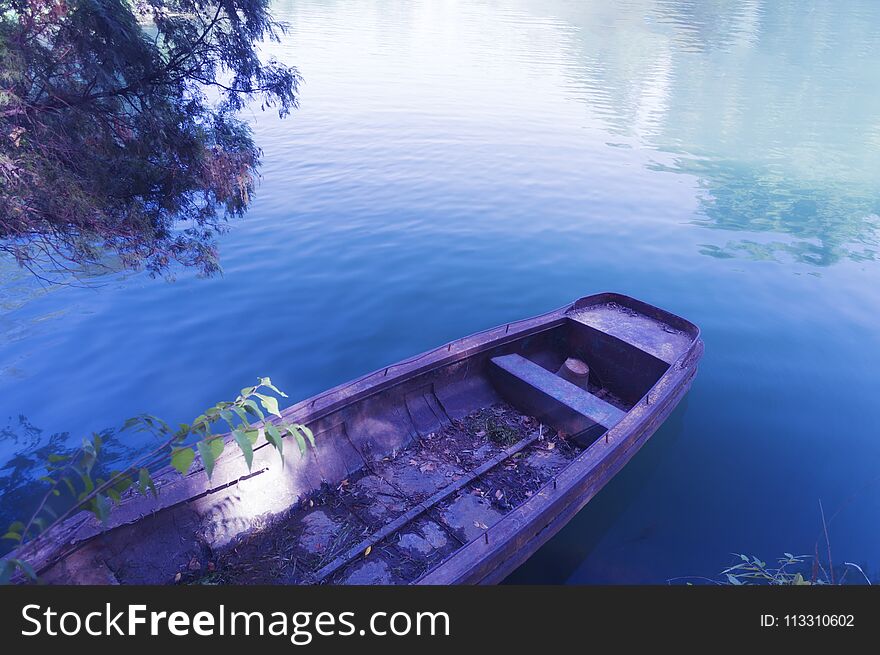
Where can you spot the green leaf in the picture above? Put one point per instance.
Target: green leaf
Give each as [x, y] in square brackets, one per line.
[101, 507]
[182, 459]
[300, 441]
[273, 436]
[58, 458]
[184, 431]
[308, 433]
[247, 391]
[266, 382]
[227, 416]
[69, 484]
[242, 414]
[122, 483]
[210, 451]
[146, 422]
[270, 403]
[130, 423]
[247, 448]
[252, 435]
[88, 457]
[16, 526]
[145, 481]
[207, 458]
[12, 535]
[87, 482]
[252, 407]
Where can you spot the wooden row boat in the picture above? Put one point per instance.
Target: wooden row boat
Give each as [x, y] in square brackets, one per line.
[450, 467]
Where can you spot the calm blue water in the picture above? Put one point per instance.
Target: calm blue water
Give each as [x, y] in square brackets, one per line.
[457, 165]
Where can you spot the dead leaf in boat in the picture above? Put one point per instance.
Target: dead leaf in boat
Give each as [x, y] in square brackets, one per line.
[368, 550]
[499, 494]
[551, 445]
[424, 468]
[194, 564]
[177, 576]
[481, 433]
[482, 526]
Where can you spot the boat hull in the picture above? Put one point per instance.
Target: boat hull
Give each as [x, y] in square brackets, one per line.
[642, 361]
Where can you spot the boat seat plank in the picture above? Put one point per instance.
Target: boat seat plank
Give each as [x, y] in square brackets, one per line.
[565, 405]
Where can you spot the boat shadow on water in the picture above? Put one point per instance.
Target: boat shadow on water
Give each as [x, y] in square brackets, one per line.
[560, 560]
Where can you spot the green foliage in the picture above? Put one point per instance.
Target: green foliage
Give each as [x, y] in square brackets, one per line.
[789, 570]
[71, 478]
[118, 127]
[752, 570]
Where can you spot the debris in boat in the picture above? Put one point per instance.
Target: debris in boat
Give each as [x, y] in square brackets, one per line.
[415, 480]
[331, 522]
[369, 573]
[318, 530]
[374, 500]
[548, 462]
[470, 516]
[424, 541]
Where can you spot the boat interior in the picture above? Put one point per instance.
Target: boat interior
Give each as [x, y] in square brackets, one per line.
[412, 473]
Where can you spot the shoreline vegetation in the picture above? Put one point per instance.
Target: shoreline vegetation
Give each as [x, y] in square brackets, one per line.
[791, 570]
[77, 483]
[137, 156]
[124, 157]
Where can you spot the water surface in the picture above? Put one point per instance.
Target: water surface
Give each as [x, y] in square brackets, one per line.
[458, 165]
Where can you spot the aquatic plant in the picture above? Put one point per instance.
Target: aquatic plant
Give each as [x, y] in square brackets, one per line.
[74, 483]
[792, 570]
